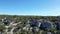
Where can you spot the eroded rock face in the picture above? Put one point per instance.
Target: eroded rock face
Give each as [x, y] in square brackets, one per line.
[45, 25]
[58, 26]
[6, 22]
[35, 23]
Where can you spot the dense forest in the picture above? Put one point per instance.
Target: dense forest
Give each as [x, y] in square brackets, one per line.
[18, 29]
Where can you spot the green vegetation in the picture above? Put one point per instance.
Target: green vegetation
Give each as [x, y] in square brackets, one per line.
[17, 19]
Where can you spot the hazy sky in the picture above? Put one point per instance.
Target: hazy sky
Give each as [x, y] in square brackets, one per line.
[30, 7]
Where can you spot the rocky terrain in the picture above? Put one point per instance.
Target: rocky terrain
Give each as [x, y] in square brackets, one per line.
[13, 24]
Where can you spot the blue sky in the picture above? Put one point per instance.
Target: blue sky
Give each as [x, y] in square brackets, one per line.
[30, 7]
